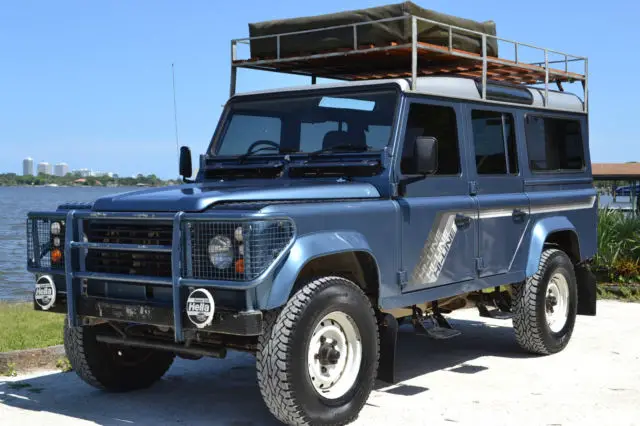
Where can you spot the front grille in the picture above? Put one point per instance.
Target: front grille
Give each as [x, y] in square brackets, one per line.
[128, 262]
[256, 244]
[45, 250]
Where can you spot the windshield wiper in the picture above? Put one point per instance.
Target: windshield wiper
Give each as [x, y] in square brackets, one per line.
[243, 157]
[345, 147]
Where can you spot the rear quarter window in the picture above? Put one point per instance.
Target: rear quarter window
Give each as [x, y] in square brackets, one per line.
[554, 144]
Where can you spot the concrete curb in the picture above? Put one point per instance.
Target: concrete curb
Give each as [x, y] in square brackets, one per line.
[31, 359]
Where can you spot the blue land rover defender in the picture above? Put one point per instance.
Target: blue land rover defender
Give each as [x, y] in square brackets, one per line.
[321, 217]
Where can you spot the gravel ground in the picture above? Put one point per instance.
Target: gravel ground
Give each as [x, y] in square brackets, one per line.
[479, 378]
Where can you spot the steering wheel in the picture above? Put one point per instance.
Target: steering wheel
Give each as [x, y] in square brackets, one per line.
[268, 143]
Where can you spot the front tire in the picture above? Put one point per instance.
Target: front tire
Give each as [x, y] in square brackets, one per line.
[318, 357]
[545, 306]
[110, 367]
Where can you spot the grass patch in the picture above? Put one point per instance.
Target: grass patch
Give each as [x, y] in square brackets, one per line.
[623, 292]
[64, 365]
[21, 327]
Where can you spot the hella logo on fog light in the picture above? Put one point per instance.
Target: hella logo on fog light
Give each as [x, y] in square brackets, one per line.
[200, 307]
[45, 292]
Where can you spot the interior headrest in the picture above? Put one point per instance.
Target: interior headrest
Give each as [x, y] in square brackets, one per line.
[339, 137]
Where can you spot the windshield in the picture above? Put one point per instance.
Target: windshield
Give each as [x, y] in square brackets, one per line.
[355, 121]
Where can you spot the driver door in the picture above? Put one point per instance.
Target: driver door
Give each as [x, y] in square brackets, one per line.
[439, 226]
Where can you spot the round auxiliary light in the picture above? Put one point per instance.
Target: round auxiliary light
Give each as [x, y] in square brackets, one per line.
[45, 292]
[237, 234]
[56, 228]
[221, 252]
[56, 242]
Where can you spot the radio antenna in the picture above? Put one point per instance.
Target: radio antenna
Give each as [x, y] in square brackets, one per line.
[175, 108]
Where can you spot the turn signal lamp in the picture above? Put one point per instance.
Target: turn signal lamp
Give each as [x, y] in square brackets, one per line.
[56, 255]
[240, 266]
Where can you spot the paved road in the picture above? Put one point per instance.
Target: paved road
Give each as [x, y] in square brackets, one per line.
[479, 378]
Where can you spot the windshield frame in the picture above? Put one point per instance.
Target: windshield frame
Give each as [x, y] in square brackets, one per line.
[223, 124]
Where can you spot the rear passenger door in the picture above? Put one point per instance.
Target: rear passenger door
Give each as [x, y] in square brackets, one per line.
[497, 185]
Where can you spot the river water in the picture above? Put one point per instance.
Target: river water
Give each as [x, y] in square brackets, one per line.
[15, 282]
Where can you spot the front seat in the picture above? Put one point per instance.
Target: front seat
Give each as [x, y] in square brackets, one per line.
[340, 137]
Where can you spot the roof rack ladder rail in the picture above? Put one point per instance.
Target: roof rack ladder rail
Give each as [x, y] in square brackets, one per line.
[516, 44]
[414, 52]
[585, 85]
[546, 78]
[234, 70]
[484, 66]
[355, 37]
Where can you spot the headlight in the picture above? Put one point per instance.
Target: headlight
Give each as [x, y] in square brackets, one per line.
[56, 228]
[221, 252]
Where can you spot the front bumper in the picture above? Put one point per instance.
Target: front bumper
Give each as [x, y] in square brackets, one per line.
[243, 320]
[247, 323]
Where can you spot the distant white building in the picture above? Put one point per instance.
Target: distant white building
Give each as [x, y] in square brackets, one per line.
[61, 169]
[102, 174]
[44, 168]
[27, 166]
[82, 172]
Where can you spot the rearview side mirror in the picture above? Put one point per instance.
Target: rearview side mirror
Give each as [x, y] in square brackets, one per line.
[186, 170]
[426, 155]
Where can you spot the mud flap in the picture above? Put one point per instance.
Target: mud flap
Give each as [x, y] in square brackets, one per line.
[587, 290]
[388, 329]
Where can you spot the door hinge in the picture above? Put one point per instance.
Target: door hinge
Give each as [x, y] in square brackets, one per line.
[479, 264]
[402, 279]
[473, 187]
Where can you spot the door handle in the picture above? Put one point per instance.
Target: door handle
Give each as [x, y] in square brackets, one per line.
[462, 221]
[519, 215]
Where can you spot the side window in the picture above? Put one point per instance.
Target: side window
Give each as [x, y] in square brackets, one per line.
[247, 129]
[436, 121]
[494, 138]
[554, 144]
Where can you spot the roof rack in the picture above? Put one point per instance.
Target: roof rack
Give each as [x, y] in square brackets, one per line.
[415, 59]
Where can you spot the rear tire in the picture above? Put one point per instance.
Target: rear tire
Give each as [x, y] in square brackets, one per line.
[545, 306]
[318, 356]
[110, 367]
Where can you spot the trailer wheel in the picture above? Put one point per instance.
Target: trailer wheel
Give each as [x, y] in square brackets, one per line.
[318, 356]
[545, 306]
[110, 367]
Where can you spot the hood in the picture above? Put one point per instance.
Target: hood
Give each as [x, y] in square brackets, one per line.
[199, 197]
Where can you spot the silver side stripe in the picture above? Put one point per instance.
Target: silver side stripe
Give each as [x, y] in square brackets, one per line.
[576, 205]
[551, 208]
[492, 213]
[436, 249]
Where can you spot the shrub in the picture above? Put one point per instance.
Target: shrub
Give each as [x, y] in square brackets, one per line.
[618, 246]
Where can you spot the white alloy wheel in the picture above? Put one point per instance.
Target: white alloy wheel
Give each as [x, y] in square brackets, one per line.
[557, 302]
[335, 355]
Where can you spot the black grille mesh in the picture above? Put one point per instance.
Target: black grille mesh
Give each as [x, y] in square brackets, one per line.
[152, 264]
[261, 242]
[40, 243]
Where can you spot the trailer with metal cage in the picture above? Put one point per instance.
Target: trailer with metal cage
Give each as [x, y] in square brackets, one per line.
[432, 175]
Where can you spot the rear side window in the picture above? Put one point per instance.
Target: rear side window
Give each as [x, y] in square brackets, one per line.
[436, 121]
[494, 138]
[554, 144]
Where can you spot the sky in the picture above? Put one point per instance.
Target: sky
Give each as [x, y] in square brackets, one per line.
[89, 83]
